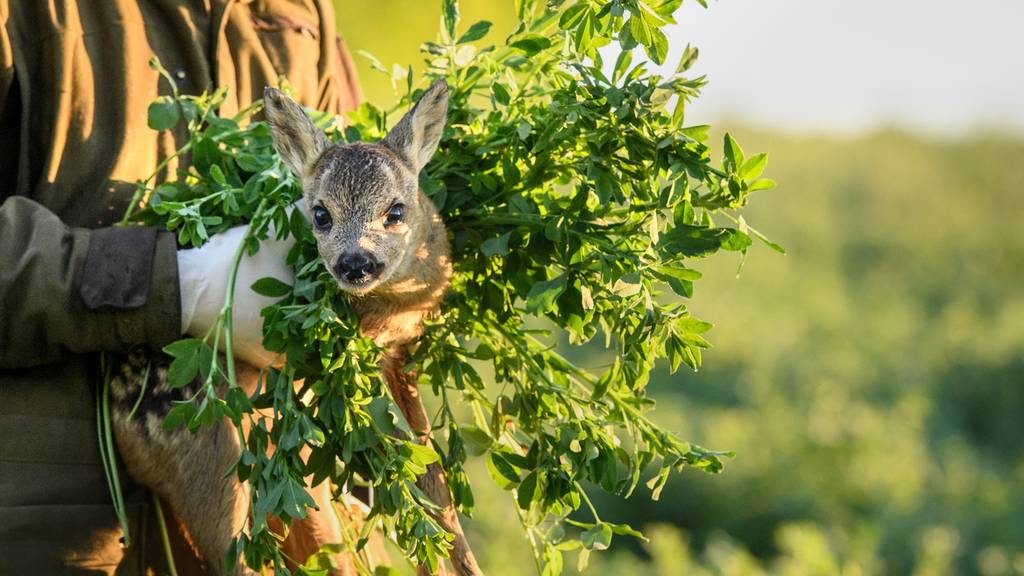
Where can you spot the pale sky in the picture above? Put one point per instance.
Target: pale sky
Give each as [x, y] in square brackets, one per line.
[936, 66]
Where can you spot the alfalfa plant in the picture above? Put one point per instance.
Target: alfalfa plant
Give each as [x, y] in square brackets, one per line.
[574, 193]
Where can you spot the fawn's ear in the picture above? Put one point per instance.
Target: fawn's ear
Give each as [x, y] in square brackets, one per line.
[297, 140]
[416, 135]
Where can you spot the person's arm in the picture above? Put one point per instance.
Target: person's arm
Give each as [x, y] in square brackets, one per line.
[72, 290]
[65, 290]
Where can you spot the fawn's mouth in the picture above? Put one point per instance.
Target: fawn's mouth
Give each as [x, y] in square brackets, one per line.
[365, 285]
[358, 286]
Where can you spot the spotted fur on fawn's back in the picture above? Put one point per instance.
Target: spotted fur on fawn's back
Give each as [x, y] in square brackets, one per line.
[191, 471]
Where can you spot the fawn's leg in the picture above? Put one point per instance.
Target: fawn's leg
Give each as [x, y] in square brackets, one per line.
[190, 471]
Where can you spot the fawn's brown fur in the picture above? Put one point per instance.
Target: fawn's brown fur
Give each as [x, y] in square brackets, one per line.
[384, 242]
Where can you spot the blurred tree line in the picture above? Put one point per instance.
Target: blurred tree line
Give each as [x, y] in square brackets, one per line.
[871, 381]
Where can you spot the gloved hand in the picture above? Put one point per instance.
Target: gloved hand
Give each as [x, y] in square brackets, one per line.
[203, 279]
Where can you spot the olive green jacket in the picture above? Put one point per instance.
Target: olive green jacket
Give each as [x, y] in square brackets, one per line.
[74, 90]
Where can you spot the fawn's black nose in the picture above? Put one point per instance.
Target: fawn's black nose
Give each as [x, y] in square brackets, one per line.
[357, 267]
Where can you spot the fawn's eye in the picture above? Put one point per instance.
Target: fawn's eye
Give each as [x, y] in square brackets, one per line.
[321, 217]
[395, 214]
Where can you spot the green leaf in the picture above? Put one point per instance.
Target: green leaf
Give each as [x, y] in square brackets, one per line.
[582, 559]
[190, 356]
[679, 273]
[628, 285]
[527, 491]
[696, 241]
[698, 133]
[657, 49]
[531, 43]
[295, 500]
[622, 63]
[626, 40]
[692, 325]
[601, 387]
[178, 415]
[640, 31]
[737, 241]
[321, 563]
[450, 16]
[496, 246]
[475, 32]
[761, 184]
[477, 440]
[665, 8]
[626, 530]
[420, 454]
[500, 93]
[524, 9]
[572, 16]
[597, 538]
[524, 129]
[553, 230]
[584, 35]
[163, 113]
[503, 473]
[753, 166]
[543, 294]
[687, 59]
[268, 501]
[218, 175]
[733, 153]
[271, 287]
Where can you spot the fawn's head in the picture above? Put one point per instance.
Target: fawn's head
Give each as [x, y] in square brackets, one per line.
[363, 199]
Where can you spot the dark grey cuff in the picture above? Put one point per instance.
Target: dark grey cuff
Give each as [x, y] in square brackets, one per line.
[118, 268]
[163, 308]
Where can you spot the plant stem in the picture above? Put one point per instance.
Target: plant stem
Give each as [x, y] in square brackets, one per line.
[586, 499]
[229, 298]
[164, 537]
[142, 390]
[142, 185]
[529, 536]
[101, 422]
[111, 461]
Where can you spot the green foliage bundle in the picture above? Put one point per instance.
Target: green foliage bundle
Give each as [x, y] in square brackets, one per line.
[573, 192]
[876, 414]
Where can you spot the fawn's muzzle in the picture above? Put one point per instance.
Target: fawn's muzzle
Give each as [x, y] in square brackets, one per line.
[358, 267]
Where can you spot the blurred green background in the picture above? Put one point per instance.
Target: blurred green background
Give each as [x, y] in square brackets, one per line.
[871, 381]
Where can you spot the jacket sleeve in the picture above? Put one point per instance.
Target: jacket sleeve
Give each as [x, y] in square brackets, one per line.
[69, 290]
[72, 290]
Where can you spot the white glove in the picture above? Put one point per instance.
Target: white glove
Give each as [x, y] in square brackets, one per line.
[203, 278]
